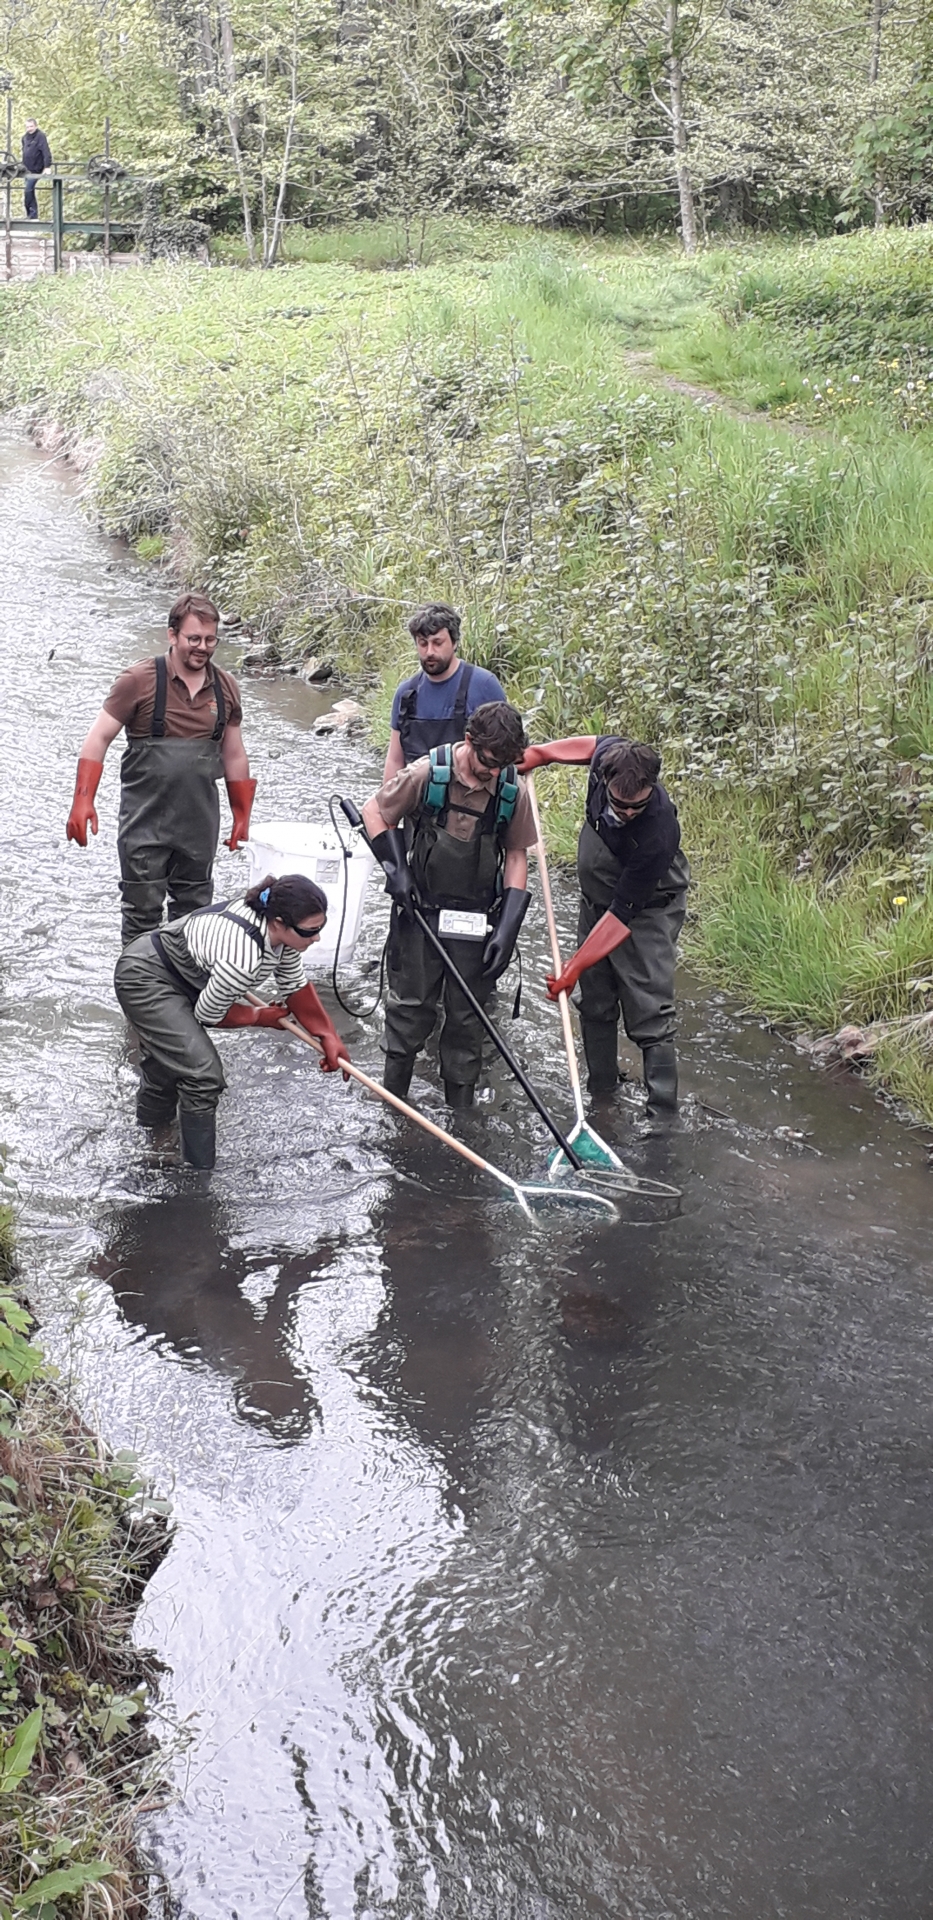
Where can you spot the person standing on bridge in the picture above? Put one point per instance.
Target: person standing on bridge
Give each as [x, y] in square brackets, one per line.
[37, 159]
[432, 708]
[182, 717]
[633, 881]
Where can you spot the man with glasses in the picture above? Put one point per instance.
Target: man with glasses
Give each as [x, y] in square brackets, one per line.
[182, 717]
[633, 881]
[470, 823]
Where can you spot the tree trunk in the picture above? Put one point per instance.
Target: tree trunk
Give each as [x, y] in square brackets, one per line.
[228, 56]
[270, 252]
[874, 69]
[874, 54]
[675, 68]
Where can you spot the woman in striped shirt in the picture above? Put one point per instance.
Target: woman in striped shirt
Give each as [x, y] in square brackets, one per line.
[194, 974]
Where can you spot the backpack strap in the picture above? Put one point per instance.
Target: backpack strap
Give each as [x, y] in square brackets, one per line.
[157, 729]
[437, 791]
[408, 704]
[506, 797]
[460, 704]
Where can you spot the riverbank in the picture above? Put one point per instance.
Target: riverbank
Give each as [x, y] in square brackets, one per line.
[77, 1758]
[324, 446]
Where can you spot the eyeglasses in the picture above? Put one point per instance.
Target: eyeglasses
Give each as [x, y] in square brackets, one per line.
[620, 807]
[304, 933]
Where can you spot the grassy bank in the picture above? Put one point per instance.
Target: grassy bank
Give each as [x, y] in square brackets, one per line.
[76, 1759]
[326, 445]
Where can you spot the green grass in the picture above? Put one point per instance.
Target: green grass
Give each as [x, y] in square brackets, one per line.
[326, 446]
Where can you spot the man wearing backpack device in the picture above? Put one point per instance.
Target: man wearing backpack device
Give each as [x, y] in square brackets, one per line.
[432, 708]
[470, 825]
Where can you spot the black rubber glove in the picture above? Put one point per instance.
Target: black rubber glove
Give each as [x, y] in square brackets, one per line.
[389, 849]
[500, 945]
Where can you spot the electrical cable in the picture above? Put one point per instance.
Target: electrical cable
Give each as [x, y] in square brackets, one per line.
[356, 1013]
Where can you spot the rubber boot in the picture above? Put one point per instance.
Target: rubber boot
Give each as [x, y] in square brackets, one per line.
[198, 1136]
[396, 1077]
[660, 1066]
[456, 1095]
[601, 1046]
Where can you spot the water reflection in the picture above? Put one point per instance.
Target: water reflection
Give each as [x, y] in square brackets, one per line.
[174, 1272]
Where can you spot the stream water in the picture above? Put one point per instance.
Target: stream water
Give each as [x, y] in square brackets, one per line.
[520, 1573]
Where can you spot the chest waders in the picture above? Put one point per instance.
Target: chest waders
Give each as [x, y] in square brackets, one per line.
[157, 982]
[460, 874]
[636, 980]
[169, 817]
[417, 736]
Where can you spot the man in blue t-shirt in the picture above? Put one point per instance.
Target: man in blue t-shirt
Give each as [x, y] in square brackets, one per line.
[432, 708]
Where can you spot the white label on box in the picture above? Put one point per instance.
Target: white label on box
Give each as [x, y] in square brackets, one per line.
[327, 873]
[462, 926]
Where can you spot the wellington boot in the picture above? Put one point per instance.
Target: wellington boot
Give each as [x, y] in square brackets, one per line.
[198, 1136]
[456, 1095]
[601, 1046]
[396, 1077]
[660, 1066]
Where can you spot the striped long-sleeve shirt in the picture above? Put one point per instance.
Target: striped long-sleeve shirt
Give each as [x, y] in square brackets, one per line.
[236, 963]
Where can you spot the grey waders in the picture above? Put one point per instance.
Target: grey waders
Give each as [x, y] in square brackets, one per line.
[157, 986]
[636, 980]
[169, 819]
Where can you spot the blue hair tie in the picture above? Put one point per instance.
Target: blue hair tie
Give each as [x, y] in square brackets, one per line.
[264, 897]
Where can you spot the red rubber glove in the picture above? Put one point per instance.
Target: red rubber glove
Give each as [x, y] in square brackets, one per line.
[307, 1008]
[566, 753]
[83, 811]
[240, 1016]
[607, 934]
[241, 794]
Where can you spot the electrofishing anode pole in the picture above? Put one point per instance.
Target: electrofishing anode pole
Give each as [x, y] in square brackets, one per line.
[355, 818]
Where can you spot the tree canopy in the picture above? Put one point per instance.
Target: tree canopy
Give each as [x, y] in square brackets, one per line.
[637, 113]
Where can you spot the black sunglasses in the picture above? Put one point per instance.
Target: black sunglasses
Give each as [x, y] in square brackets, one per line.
[628, 806]
[305, 933]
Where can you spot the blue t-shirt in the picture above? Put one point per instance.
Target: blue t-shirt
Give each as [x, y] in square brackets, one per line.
[437, 698]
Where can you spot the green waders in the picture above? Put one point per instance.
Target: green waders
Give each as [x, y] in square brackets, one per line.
[448, 873]
[180, 1064]
[637, 979]
[169, 820]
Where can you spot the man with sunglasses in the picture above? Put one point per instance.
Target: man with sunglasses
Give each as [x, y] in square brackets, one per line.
[633, 881]
[469, 829]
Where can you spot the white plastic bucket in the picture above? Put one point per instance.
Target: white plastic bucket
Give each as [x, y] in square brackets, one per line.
[291, 846]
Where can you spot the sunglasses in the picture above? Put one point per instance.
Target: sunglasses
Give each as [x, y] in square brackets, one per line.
[620, 807]
[304, 933]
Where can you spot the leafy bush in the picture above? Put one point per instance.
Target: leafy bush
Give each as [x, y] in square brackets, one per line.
[77, 1546]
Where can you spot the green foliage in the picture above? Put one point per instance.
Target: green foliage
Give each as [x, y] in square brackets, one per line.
[19, 1360]
[755, 600]
[16, 1759]
[77, 1539]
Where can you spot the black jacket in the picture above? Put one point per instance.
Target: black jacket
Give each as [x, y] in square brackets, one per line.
[644, 848]
[36, 154]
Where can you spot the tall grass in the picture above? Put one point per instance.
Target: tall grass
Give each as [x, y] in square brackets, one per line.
[325, 447]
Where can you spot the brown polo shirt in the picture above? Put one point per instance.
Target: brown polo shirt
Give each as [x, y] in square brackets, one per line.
[131, 700]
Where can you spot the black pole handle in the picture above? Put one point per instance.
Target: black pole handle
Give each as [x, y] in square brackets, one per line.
[356, 820]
